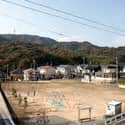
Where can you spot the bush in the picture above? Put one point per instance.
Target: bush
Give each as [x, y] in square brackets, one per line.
[14, 92]
[121, 81]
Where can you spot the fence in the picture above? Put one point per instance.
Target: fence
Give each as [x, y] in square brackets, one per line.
[115, 119]
[13, 115]
[46, 123]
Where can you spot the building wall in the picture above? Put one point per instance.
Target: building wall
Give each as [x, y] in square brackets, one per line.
[47, 73]
[26, 76]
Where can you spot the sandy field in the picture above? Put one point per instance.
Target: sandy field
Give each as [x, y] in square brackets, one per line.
[69, 93]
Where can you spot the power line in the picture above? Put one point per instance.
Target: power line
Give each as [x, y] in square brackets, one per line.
[29, 23]
[76, 16]
[17, 19]
[60, 34]
[61, 17]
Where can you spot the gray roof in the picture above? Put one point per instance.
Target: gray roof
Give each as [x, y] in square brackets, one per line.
[90, 66]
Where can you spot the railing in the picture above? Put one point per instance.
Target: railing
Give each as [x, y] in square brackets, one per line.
[115, 119]
[13, 115]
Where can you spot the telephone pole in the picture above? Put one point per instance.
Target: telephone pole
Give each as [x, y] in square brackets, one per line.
[83, 60]
[7, 72]
[116, 68]
[34, 64]
[34, 69]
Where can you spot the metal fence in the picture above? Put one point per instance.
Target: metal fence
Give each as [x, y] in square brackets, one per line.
[116, 119]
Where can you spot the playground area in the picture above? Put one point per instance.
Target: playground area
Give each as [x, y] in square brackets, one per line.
[58, 101]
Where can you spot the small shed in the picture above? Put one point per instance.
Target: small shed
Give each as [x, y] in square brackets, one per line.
[113, 108]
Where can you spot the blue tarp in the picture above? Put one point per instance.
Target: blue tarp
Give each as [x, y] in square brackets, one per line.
[56, 104]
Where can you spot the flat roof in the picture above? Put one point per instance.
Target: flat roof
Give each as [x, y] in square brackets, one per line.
[85, 107]
[114, 102]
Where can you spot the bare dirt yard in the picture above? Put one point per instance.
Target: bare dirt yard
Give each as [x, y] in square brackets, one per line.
[59, 99]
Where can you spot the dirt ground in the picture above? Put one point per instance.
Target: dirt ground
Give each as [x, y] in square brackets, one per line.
[69, 93]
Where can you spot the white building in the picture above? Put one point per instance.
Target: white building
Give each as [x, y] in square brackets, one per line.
[113, 108]
[108, 68]
[47, 72]
[66, 70]
[31, 74]
[108, 72]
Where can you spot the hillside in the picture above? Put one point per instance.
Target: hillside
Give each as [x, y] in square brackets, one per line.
[11, 38]
[21, 50]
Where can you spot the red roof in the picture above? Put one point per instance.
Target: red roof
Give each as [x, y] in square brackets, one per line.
[45, 67]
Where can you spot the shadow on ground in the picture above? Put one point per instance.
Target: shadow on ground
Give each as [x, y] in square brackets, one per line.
[51, 120]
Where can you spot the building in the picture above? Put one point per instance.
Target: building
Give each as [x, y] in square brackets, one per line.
[122, 72]
[2, 76]
[47, 72]
[88, 72]
[66, 71]
[113, 108]
[88, 69]
[16, 74]
[108, 72]
[31, 74]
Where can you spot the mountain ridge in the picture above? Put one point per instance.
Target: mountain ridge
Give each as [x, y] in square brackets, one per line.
[36, 39]
[20, 50]
[26, 38]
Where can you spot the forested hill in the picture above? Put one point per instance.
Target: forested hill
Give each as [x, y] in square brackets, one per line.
[21, 50]
[11, 38]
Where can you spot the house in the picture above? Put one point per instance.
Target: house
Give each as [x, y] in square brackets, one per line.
[66, 71]
[2, 76]
[31, 74]
[122, 72]
[88, 72]
[16, 74]
[47, 72]
[122, 69]
[108, 72]
[88, 69]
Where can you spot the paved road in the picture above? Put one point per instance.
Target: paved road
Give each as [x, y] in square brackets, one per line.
[5, 117]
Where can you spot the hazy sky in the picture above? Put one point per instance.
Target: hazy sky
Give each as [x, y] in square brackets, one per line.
[19, 20]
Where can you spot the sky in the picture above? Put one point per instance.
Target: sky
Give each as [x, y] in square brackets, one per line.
[18, 20]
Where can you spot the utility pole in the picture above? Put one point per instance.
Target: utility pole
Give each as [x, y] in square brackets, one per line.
[34, 64]
[83, 60]
[7, 72]
[116, 68]
[34, 69]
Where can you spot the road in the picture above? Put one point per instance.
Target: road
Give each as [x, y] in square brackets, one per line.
[5, 117]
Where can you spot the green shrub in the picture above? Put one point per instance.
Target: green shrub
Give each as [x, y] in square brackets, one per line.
[14, 92]
[121, 81]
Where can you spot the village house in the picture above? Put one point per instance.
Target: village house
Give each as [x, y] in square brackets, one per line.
[88, 69]
[66, 71]
[47, 72]
[108, 72]
[2, 76]
[122, 72]
[31, 74]
[16, 74]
